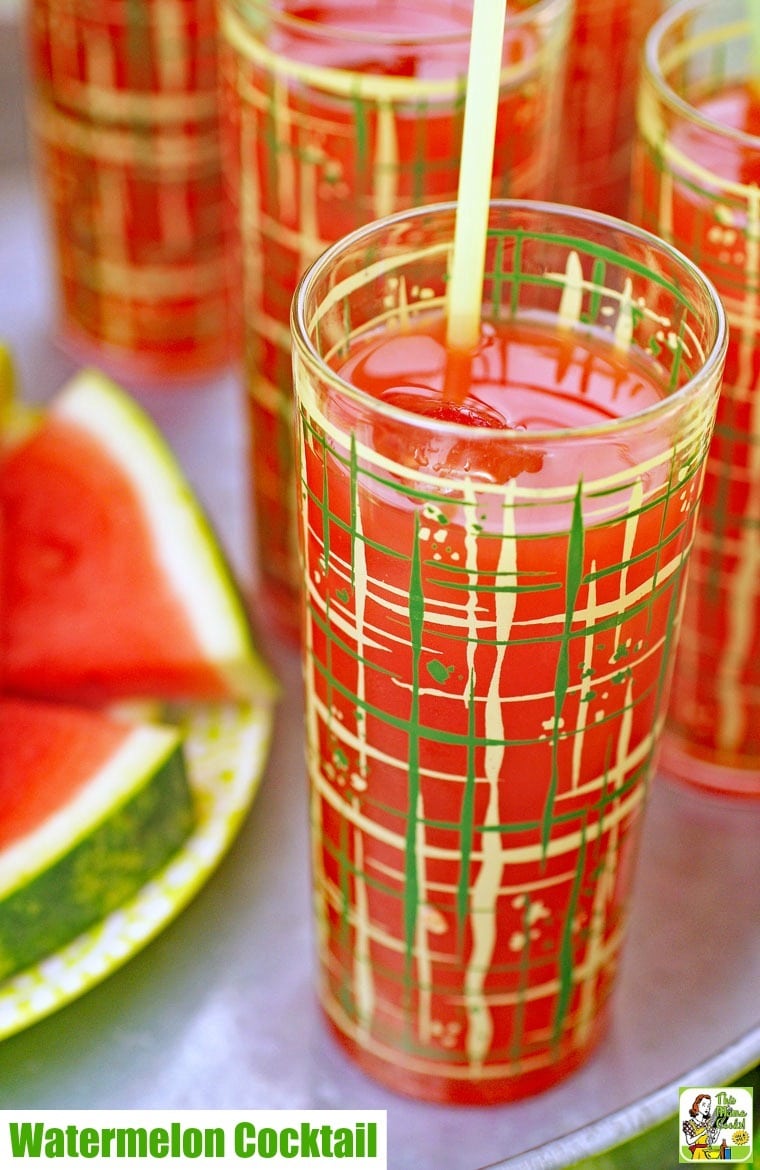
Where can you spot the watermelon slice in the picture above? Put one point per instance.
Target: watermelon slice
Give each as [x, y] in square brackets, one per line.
[113, 593]
[225, 746]
[92, 807]
[117, 587]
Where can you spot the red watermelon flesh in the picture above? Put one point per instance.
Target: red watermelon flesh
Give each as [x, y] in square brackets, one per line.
[114, 585]
[89, 612]
[47, 752]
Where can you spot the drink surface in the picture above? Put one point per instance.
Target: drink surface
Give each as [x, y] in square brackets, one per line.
[424, 40]
[523, 376]
[734, 108]
[388, 18]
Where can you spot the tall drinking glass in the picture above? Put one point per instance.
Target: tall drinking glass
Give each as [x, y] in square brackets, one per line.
[598, 113]
[697, 184]
[336, 115]
[493, 560]
[124, 115]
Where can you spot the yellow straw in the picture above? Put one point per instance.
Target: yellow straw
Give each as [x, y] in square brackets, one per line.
[481, 107]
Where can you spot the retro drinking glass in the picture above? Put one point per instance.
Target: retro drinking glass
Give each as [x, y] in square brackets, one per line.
[124, 119]
[490, 618]
[696, 183]
[335, 119]
[598, 114]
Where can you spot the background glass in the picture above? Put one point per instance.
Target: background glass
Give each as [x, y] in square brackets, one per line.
[332, 123]
[696, 183]
[598, 112]
[125, 126]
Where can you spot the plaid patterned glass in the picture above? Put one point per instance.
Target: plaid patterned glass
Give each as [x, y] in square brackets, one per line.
[125, 120]
[331, 123]
[598, 112]
[486, 663]
[697, 184]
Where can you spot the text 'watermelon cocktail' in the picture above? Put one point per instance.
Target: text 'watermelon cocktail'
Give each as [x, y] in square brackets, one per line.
[494, 551]
[697, 184]
[336, 114]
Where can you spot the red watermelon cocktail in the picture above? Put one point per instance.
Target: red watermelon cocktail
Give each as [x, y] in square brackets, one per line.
[338, 113]
[598, 114]
[494, 548]
[697, 184]
[125, 120]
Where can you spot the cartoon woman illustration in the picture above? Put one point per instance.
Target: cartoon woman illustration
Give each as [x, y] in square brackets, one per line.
[701, 1132]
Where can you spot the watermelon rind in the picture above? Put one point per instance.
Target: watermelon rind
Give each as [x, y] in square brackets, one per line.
[187, 547]
[226, 748]
[97, 850]
[16, 418]
[7, 381]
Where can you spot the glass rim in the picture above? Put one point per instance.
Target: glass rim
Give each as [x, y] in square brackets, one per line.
[317, 29]
[667, 94]
[664, 407]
